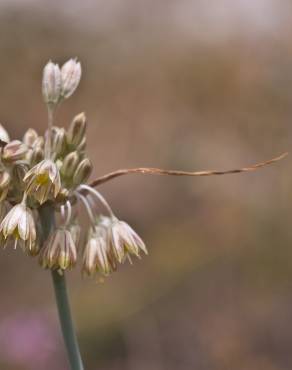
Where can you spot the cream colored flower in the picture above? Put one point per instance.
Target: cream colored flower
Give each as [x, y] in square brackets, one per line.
[43, 181]
[59, 251]
[124, 240]
[19, 225]
[97, 256]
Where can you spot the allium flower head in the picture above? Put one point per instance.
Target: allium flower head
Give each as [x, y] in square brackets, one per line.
[59, 251]
[19, 225]
[124, 240]
[43, 181]
[53, 168]
[97, 256]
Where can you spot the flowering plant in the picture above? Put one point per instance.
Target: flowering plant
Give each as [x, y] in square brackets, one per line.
[43, 180]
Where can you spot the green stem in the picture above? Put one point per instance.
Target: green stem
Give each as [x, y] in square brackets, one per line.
[70, 339]
[66, 321]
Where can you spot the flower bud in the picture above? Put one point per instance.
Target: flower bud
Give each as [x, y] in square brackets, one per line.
[14, 151]
[30, 137]
[58, 140]
[36, 155]
[39, 142]
[4, 184]
[19, 170]
[76, 131]
[70, 164]
[4, 135]
[83, 172]
[51, 85]
[70, 76]
[82, 146]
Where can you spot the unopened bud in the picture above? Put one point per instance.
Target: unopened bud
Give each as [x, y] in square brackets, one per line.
[76, 131]
[18, 172]
[70, 164]
[14, 151]
[82, 146]
[36, 155]
[58, 140]
[51, 85]
[83, 172]
[40, 142]
[70, 75]
[4, 184]
[30, 137]
[4, 135]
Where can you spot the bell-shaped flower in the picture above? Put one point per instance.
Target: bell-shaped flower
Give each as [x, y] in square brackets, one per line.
[97, 255]
[43, 181]
[19, 226]
[124, 240]
[59, 251]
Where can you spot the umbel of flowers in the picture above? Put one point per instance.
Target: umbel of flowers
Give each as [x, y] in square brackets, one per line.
[53, 169]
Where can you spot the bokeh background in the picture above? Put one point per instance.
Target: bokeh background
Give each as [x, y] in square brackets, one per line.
[181, 84]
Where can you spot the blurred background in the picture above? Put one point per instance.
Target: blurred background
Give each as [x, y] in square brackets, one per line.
[188, 84]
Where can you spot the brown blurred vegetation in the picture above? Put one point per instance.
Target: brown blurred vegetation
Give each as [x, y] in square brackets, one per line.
[215, 291]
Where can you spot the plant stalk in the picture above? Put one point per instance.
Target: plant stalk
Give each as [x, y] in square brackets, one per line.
[48, 224]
